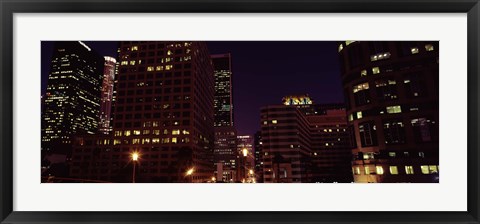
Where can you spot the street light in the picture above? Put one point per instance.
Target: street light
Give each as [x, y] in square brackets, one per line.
[135, 156]
[190, 172]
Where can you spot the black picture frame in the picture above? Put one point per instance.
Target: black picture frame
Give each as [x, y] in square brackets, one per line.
[10, 7]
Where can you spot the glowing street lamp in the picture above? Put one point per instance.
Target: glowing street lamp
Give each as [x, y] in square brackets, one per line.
[251, 172]
[135, 156]
[245, 152]
[190, 172]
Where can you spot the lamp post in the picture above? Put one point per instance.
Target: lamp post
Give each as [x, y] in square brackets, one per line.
[135, 156]
[190, 173]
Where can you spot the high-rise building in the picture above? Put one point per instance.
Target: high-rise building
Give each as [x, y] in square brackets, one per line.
[304, 142]
[258, 156]
[392, 97]
[225, 152]
[163, 115]
[222, 64]
[107, 94]
[72, 99]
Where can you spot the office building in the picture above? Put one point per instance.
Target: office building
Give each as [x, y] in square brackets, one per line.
[71, 103]
[391, 91]
[164, 116]
[107, 95]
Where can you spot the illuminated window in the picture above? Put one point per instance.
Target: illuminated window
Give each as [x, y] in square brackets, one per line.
[159, 68]
[118, 133]
[414, 50]
[429, 47]
[145, 141]
[274, 121]
[340, 47]
[393, 170]
[350, 117]
[136, 132]
[174, 140]
[425, 169]
[356, 170]
[150, 68]
[127, 133]
[392, 154]
[169, 52]
[433, 169]
[136, 141]
[185, 132]
[367, 170]
[359, 114]
[168, 67]
[156, 132]
[134, 48]
[409, 169]
[375, 70]
[165, 140]
[394, 109]
[175, 132]
[380, 56]
[146, 132]
[165, 131]
[363, 72]
[124, 63]
[132, 62]
[379, 170]
[360, 87]
[155, 140]
[265, 122]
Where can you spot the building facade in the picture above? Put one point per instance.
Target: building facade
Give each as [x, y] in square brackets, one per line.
[222, 64]
[246, 158]
[258, 156]
[107, 95]
[163, 124]
[72, 100]
[391, 90]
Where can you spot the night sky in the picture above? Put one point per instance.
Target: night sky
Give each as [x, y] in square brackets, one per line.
[263, 73]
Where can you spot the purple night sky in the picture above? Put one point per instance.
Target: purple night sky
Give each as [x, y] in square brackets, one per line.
[263, 71]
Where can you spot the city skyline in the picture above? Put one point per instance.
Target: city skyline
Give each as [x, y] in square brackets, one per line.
[161, 111]
[314, 64]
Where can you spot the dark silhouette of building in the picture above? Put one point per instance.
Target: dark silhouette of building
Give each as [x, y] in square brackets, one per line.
[391, 91]
[71, 103]
[164, 116]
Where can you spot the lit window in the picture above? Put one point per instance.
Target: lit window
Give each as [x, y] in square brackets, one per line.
[393, 170]
[356, 171]
[150, 68]
[132, 62]
[156, 132]
[159, 68]
[175, 132]
[392, 154]
[155, 140]
[429, 47]
[340, 47]
[379, 170]
[414, 50]
[174, 140]
[136, 141]
[136, 132]
[168, 67]
[118, 133]
[134, 48]
[127, 133]
[169, 52]
[350, 117]
[433, 169]
[359, 115]
[360, 87]
[375, 70]
[425, 169]
[265, 122]
[367, 170]
[124, 63]
[363, 73]
[394, 109]
[274, 121]
[409, 169]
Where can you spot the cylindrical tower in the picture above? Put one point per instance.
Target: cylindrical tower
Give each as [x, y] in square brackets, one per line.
[392, 95]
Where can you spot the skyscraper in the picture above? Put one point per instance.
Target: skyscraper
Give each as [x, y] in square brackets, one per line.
[392, 97]
[222, 64]
[107, 94]
[225, 152]
[246, 158]
[163, 112]
[72, 100]
[303, 142]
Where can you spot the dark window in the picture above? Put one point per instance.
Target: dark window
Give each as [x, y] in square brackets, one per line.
[368, 134]
[394, 132]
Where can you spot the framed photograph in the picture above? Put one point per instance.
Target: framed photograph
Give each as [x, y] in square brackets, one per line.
[239, 112]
